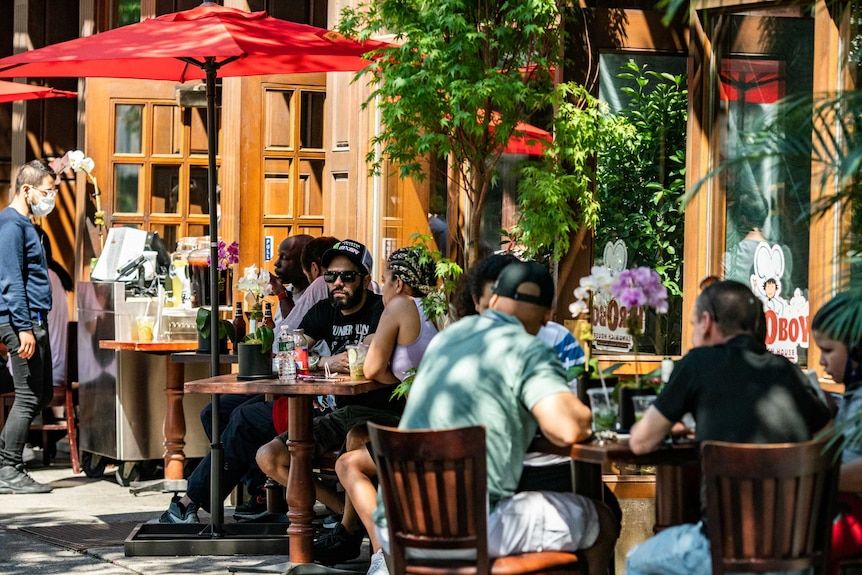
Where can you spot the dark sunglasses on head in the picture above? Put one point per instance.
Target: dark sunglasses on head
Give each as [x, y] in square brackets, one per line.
[346, 277]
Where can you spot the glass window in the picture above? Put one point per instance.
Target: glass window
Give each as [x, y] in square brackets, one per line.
[311, 120]
[167, 135]
[198, 190]
[168, 233]
[197, 125]
[128, 135]
[303, 11]
[640, 180]
[767, 201]
[127, 179]
[165, 193]
[128, 12]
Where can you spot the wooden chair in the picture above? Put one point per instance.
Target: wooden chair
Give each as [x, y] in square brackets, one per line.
[434, 486]
[65, 397]
[769, 506]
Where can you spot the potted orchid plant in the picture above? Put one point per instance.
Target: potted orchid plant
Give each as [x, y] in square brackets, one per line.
[634, 289]
[255, 285]
[255, 350]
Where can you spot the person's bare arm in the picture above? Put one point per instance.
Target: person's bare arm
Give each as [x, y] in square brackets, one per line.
[381, 347]
[563, 419]
[648, 433]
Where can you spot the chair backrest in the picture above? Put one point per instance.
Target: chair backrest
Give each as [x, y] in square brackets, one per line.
[434, 486]
[769, 506]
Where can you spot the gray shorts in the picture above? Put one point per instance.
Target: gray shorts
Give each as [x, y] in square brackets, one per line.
[527, 521]
[330, 430]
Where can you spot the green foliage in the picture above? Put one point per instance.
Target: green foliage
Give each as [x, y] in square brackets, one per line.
[556, 195]
[641, 174]
[463, 77]
[225, 328]
[263, 336]
[403, 388]
[436, 304]
[641, 181]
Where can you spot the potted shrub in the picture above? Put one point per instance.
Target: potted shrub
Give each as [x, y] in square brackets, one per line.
[255, 354]
[225, 331]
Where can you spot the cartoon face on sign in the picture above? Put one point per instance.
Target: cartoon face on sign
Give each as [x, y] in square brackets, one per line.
[766, 279]
[616, 256]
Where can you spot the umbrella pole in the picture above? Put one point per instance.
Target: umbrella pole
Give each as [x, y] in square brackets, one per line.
[216, 447]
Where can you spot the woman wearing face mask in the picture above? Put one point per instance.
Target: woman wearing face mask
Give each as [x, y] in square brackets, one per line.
[841, 356]
[25, 298]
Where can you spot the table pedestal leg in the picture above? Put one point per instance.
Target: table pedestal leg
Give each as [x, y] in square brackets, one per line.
[175, 420]
[300, 484]
[677, 495]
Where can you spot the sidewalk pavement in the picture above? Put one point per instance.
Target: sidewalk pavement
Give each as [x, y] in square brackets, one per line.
[79, 499]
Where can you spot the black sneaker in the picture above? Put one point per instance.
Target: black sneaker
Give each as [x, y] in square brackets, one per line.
[178, 513]
[253, 509]
[13, 479]
[338, 546]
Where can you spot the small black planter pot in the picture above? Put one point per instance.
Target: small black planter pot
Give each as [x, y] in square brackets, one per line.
[204, 344]
[252, 363]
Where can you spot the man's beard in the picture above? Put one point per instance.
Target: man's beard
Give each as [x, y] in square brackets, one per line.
[349, 300]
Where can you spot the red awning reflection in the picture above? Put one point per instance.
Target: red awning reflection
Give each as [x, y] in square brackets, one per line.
[752, 81]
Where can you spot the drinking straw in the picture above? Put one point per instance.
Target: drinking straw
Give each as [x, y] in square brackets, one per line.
[604, 386]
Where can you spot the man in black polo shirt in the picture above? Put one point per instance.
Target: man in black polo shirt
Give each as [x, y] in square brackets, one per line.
[737, 391]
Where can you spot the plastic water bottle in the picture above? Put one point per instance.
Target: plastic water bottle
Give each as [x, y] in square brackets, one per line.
[285, 357]
[300, 345]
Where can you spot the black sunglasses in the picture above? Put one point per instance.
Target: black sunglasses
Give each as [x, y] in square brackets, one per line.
[346, 277]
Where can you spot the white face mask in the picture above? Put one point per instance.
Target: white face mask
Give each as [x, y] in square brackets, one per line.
[44, 207]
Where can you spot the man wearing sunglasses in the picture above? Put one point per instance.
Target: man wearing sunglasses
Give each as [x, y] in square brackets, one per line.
[25, 298]
[349, 314]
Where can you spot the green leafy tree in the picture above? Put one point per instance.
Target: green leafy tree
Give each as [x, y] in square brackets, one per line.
[557, 195]
[641, 182]
[456, 87]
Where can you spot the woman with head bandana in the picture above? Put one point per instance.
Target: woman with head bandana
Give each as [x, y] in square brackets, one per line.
[396, 347]
[404, 331]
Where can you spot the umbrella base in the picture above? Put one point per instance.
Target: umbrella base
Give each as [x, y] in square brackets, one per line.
[165, 539]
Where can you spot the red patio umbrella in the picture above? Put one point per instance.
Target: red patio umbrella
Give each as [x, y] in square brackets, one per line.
[207, 42]
[527, 139]
[15, 91]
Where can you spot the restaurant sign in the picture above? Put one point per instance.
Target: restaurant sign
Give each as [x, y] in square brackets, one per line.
[609, 317]
[786, 319]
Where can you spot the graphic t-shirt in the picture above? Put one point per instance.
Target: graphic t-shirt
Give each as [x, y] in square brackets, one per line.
[324, 322]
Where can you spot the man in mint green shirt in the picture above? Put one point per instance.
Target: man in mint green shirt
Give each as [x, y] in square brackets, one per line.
[491, 370]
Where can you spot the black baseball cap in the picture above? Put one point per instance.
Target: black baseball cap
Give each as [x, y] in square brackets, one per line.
[515, 274]
[352, 250]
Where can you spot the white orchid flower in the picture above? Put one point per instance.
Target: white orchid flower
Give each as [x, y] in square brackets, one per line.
[578, 307]
[78, 161]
